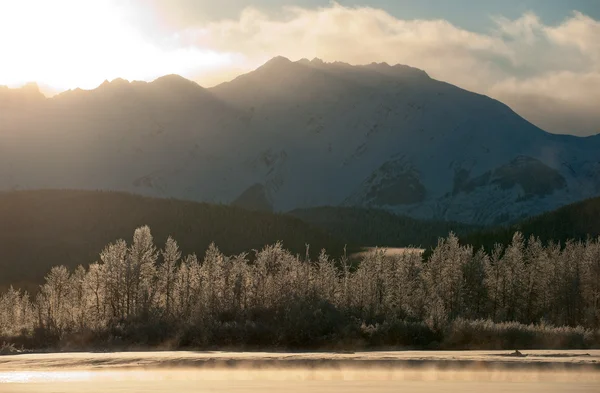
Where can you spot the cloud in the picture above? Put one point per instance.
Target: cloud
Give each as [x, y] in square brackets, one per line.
[580, 31]
[550, 74]
[533, 67]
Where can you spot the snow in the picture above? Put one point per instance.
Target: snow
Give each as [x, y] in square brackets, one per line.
[333, 124]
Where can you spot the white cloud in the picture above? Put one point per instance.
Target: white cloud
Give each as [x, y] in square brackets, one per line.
[581, 31]
[522, 61]
[549, 74]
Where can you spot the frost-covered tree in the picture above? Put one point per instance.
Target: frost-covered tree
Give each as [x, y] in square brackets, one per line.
[96, 290]
[443, 277]
[266, 288]
[277, 292]
[140, 272]
[394, 281]
[187, 287]
[515, 279]
[16, 312]
[474, 291]
[367, 282]
[8, 310]
[591, 282]
[570, 284]
[553, 250]
[167, 273]
[239, 283]
[78, 298]
[495, 282]
[537, 279]
[52, 301]
[116, 272]
[325, 278]
[212, 279]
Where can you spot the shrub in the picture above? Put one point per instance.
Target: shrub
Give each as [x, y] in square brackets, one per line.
[485, 334]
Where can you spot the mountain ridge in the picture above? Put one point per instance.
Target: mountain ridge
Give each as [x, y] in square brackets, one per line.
[308, 134]
[275, 61]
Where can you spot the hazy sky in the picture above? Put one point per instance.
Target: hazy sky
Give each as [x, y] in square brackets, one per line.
[542, 57]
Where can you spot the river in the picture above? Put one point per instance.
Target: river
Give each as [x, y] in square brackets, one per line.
[406, 371]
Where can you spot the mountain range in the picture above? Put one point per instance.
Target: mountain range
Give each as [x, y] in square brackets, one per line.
[296, 135]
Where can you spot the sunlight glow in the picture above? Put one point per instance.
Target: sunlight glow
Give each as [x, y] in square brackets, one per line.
[296, 374]
[65, 44]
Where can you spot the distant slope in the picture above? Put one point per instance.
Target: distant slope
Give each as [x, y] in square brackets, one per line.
[293, 135]
[372, 227]
[41, 229]
[575, 221]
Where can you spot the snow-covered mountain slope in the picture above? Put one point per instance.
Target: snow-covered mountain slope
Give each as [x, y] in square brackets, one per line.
[299, 134]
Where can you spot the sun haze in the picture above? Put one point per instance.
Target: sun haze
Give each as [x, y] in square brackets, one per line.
[64, 44]
[299, 195]
[541, 58]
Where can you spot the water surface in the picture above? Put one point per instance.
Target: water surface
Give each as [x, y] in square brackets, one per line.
[411, 371]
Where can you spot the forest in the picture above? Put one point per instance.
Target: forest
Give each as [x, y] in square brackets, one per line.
[376, 227]
[526, 294]
[46, 228]
[576, 221]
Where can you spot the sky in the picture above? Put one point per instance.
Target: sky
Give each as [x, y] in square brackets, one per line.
[541, 57]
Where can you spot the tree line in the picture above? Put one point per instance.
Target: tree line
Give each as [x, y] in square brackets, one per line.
[70, 227]
[137, 293]
[373, 227]
[576, 221]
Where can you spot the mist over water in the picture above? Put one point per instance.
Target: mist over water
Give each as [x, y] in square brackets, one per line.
[299, 380]
[207, 372]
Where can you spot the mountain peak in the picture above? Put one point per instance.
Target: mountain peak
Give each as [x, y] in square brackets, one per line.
[175, 80]
[277, 65]
[380, 65]
[316, 62]
[171, 78]
[174, 84]
[27, 93]
[400, 70]
[278, 61]
[31, 87]
[118, 82]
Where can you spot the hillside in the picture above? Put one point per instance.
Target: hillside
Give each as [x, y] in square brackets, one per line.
[41, 229]
[576, 221]
[371, 227]
[295, 135]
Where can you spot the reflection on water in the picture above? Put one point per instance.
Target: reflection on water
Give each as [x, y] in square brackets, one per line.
[298, 380]
[377, 372]
[46, 376]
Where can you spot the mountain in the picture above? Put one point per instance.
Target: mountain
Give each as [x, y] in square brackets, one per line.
[27, 95]
[293, 135]
[41, 229]
[578, 221]
[378, 228]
